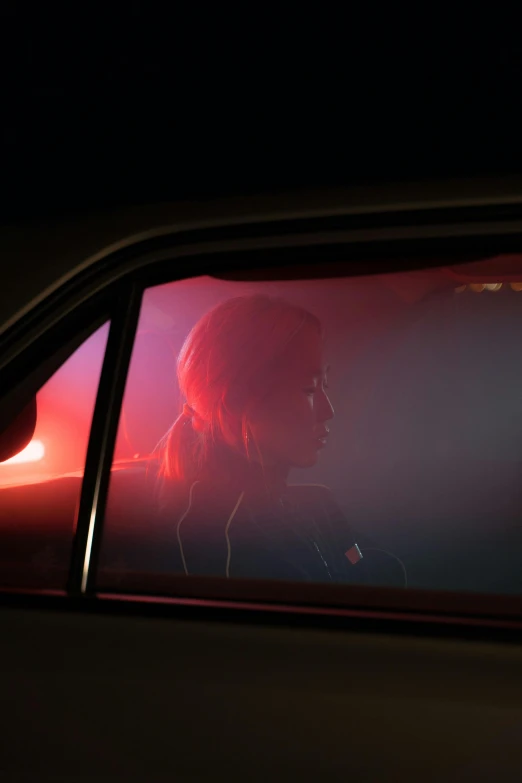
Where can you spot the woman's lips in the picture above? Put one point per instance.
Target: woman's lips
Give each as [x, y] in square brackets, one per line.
[321, 442]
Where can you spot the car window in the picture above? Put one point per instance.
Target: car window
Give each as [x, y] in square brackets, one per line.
[40, 486]
[352, 430]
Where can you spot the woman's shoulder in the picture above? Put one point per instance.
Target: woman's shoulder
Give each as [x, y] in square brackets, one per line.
[319, 500]
[198, 493]
[312, 493]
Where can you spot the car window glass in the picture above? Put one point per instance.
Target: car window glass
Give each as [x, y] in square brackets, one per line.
[40, 486]
[414, 482]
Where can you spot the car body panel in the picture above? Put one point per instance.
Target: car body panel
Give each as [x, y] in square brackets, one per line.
[107, 697]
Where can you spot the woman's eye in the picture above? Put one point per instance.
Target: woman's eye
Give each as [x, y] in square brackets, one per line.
[311, 390]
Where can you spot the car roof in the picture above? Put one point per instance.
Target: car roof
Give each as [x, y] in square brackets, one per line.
[39, 257]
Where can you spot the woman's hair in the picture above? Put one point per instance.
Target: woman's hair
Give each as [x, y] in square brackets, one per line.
[228, 363]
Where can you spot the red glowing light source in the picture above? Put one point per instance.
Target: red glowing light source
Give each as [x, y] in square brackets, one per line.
[33, 452]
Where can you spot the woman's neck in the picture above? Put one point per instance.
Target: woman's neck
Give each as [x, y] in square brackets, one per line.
[228, 466]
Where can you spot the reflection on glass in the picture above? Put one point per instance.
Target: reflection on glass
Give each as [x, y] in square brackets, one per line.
[40, 486]
[230, 461]
[33, 452]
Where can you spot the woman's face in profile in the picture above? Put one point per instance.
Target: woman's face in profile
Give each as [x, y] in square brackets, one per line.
[290, 425]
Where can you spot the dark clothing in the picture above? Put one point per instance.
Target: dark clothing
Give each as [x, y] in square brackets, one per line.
[299, 536]
[240, 527]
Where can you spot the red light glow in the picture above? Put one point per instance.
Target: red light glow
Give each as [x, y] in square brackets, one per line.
[33, 452]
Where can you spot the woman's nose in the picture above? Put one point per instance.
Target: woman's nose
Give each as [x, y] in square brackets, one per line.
[325, 410]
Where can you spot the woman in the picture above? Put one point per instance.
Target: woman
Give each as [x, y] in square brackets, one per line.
[253, 376]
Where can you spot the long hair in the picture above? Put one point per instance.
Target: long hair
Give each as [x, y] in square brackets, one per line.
[228, 362]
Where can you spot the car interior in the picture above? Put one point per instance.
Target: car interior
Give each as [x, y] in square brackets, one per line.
[425, 452]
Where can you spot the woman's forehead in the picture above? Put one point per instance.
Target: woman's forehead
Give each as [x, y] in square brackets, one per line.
[305, 354]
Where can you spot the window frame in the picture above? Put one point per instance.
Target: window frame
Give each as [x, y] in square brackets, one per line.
[350, 245]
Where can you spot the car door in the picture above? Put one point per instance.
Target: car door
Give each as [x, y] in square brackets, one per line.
[149, 673]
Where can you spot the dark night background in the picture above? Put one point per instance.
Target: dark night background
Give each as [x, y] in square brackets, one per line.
[105, 107]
